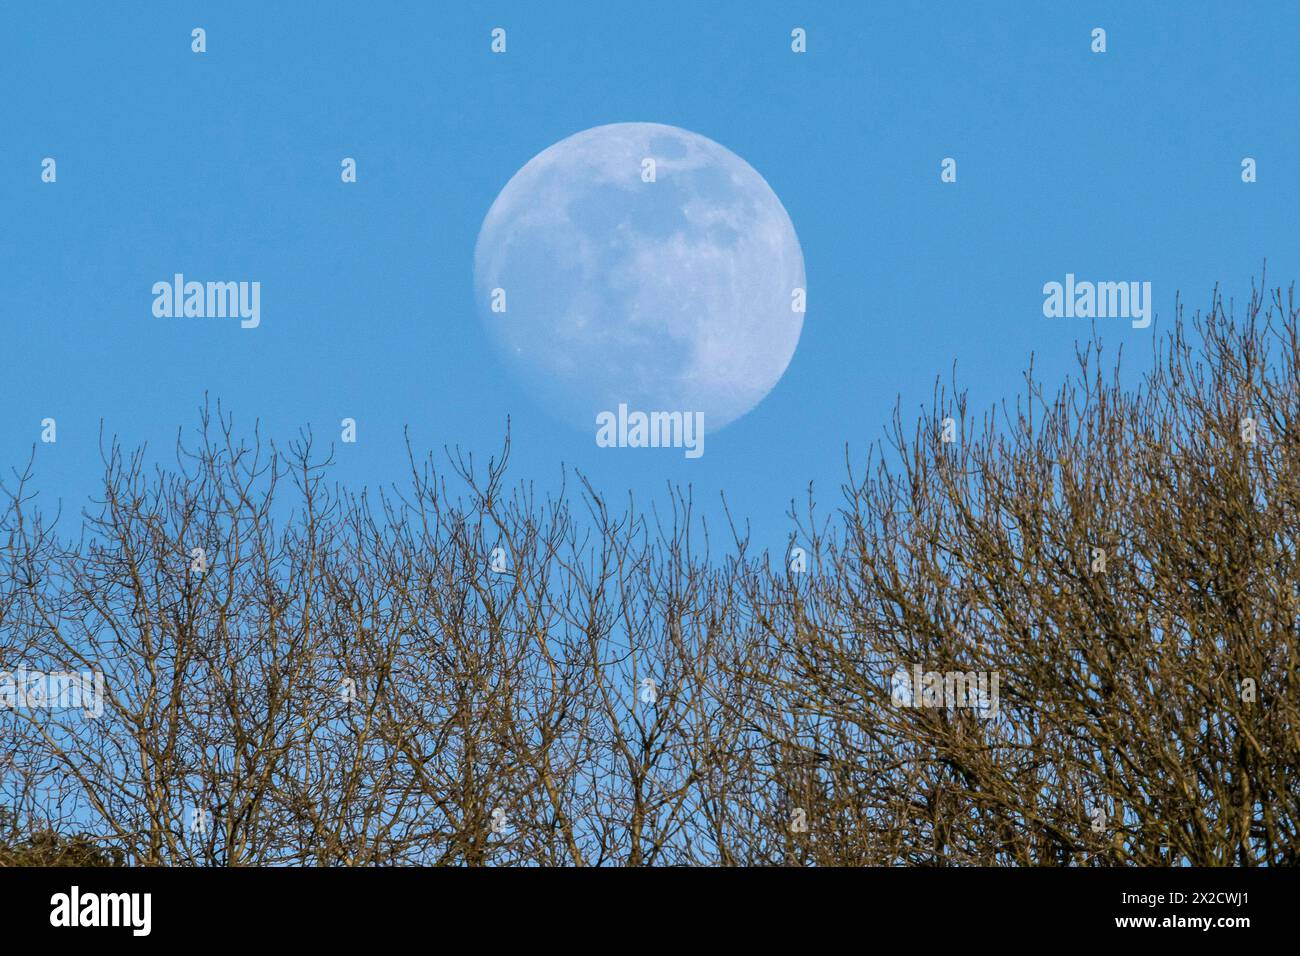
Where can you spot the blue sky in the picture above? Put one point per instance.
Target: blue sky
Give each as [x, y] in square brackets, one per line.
[1117, 166]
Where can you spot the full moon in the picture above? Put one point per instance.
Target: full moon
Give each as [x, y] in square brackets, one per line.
[645, 265]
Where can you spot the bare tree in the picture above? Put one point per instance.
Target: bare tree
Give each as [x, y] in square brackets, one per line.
[460, 671]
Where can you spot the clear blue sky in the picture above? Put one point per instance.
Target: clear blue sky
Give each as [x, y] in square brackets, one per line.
[1118, 166]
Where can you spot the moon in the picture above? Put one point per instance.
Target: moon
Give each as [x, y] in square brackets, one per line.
[641, 264]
